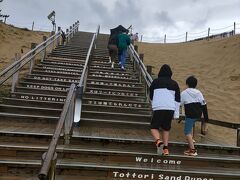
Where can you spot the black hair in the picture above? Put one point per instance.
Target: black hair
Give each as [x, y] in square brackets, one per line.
[165, 71]
[191, 81]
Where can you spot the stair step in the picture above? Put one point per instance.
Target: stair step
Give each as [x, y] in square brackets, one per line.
[59, 68]
[113, 123]
[28, 118]
[44, 86]
[29, 110]
[117, 116]
[112, 78]
[62, 59]
[57, 73]
[116, 171]
[122, 157]
[115, 97]
[36, 90]
[33, 103]
[38, 97]
[109, 91]
[126, 103]
[116, 107]
[51, 80]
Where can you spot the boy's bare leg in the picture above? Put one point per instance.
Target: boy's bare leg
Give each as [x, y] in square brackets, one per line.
[190, 141]
[155, 133]
[165, 135]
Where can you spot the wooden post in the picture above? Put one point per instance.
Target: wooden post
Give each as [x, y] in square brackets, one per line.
[32, 25]
[33, 45]
[45, 50]
[52, 170]
[58, 39]
[238, 137]
[53, 44]
[165, 38]
[203, 127]
[186, 37]
[73, 28]
[77, 25]
[149, 69]
[70, 32]
[68, 123]
[141, 56]
[136, 48]
[234, 28]
[16, 75]
[208, 33]
[67, 38]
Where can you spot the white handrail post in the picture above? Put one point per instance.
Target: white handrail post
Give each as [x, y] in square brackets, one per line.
[15, 76]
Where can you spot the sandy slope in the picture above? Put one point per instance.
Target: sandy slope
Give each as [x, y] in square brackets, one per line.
[13, 39]
[215, 63]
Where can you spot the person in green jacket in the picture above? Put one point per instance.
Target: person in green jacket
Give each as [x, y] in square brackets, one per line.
[123, 43]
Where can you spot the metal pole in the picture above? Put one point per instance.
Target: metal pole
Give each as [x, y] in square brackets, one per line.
[32, 25]
[208, 33]
[141, 38]
[186, 36]
[165, 38]
[234, 28]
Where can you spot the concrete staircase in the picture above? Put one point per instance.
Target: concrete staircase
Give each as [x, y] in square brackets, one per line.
[113, 139]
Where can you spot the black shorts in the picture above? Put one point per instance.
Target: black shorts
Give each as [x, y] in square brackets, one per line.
[162, 119]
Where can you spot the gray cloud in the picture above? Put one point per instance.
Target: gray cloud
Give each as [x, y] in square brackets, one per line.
[164, 19]
[152, 18]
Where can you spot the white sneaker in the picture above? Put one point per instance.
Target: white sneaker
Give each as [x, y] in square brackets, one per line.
[110, 60]
[123, 68]
[112, 65]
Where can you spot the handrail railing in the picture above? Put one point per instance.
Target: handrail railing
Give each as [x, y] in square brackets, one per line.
[142, 67]
[66, 118]
[82, 83]
[66, 121]
[29, 57]
[148, 80]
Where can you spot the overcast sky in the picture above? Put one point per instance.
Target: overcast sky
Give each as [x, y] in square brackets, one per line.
[151, 18]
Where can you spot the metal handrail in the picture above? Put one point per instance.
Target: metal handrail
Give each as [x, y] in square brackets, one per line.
[81, 86]
[142, 67]
[52, 147]
[18, 64]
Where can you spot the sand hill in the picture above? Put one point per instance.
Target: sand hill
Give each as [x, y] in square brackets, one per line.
[216, 64]
[13, 39]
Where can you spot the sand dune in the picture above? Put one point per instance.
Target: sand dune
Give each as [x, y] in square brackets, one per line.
[216, 64]
[13, 39]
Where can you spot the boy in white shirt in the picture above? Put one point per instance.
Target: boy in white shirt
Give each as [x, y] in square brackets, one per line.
[195, 106]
